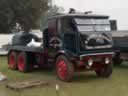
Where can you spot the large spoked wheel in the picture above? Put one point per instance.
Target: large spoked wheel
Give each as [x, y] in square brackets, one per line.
[64, 69]
[24, 62]
[12, 60]
[105, 70]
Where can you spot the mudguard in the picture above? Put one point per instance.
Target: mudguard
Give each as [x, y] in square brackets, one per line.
[70, 55]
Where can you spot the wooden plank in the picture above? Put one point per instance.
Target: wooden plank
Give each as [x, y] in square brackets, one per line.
[27, 84]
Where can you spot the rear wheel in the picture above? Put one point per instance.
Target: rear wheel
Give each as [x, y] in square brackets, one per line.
[25, 62]
[64, 68]
[12, 58]
[105, 70]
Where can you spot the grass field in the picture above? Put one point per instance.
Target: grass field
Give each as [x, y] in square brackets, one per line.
[84, 84]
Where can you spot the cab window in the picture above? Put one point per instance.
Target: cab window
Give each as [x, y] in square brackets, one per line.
[68, 25]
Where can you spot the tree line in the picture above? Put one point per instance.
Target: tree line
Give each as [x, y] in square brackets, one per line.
[24, 12]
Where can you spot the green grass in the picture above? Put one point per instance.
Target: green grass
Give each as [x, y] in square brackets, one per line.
[84, 84]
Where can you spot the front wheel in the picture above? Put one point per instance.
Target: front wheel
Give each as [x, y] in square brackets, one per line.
[117, 61]
[64, 69]
[105, 70]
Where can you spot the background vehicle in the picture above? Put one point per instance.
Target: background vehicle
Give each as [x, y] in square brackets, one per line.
[71, 43]
[120, 39]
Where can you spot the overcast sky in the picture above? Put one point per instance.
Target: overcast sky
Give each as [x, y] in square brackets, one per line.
[116, 9]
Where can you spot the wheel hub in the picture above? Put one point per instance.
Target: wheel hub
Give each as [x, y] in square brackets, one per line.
[21, 63]
[62, 69]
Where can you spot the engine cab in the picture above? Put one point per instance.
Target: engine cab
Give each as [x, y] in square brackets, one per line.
[79, 34]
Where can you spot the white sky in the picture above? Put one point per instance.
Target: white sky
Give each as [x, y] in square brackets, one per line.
[116, 9]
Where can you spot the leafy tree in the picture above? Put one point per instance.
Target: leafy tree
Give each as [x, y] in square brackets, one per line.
[24, 12]
[53, 10]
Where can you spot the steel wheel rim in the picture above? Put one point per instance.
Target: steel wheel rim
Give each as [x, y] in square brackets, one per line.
[62, 69]
[21, 63]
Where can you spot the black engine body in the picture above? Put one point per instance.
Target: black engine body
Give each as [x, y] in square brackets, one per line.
[23, 38]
